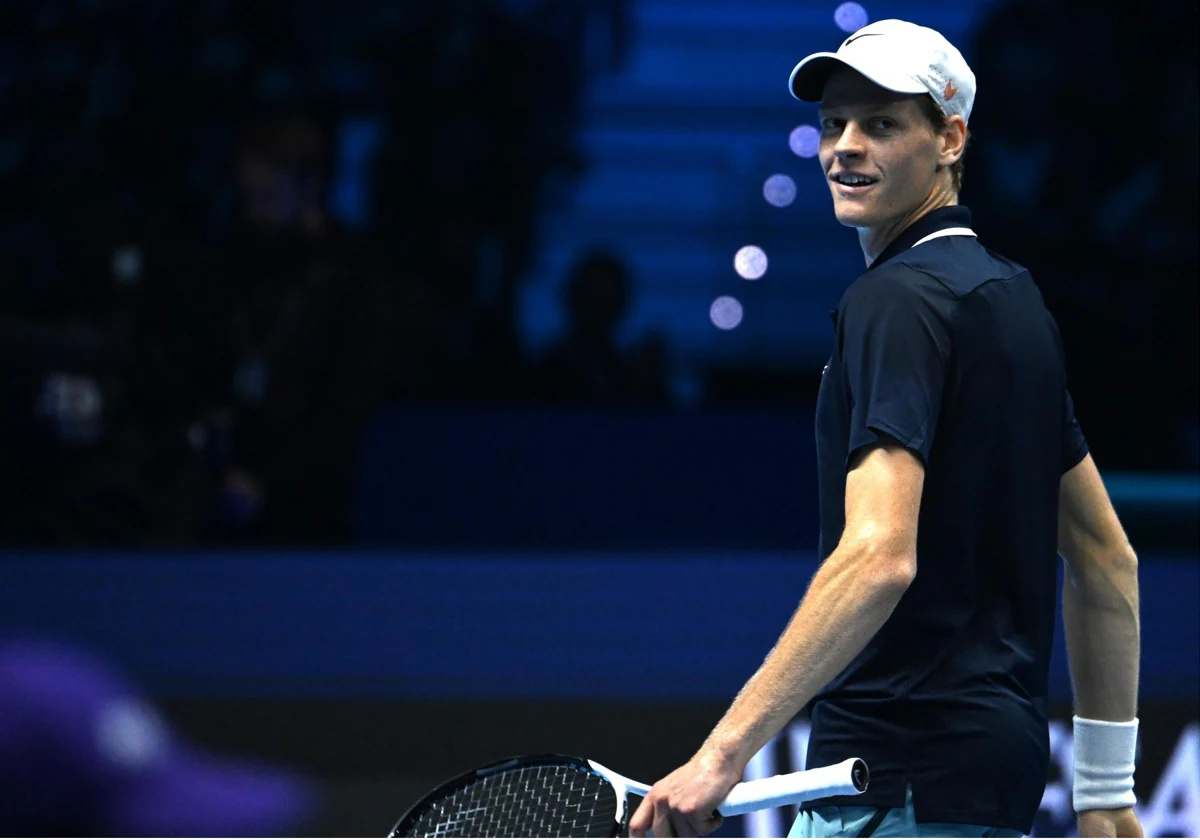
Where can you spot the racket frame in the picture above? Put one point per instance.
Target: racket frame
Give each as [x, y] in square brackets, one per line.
[620, 785]
[788, 789]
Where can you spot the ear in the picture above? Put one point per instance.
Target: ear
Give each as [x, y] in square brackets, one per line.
[954, 140]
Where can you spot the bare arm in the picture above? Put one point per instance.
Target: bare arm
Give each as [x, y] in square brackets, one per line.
[1100, 598]
[849, 600]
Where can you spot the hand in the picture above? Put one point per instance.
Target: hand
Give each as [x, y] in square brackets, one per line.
[684, 804]
[1119, 822]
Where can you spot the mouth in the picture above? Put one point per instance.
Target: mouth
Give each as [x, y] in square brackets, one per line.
[852, 184]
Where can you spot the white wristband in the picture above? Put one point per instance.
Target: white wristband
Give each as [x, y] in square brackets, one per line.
[1104, 764]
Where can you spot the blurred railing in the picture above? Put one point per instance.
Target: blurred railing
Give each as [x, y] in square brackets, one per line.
[569, 478]
[619, 627]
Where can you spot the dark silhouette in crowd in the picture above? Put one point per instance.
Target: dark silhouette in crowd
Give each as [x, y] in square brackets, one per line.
[586, 364]
[274, 343]
[69, 465]
[83, 753]
[490, 112]
[189, 340]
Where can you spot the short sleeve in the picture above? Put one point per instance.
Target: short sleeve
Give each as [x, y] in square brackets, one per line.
[895, 350]
[1075, 446]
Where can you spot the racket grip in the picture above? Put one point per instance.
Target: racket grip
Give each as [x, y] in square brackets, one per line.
[845, 779]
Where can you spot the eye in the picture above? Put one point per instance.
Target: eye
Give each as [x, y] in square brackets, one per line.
[830, 124]
[881, 123]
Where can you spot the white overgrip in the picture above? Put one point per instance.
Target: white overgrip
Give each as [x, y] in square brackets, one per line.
[792, 788]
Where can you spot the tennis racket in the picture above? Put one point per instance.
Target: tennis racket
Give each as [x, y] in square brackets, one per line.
[562, 796]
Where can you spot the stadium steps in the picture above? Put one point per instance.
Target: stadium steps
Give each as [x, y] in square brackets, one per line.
[677, 147]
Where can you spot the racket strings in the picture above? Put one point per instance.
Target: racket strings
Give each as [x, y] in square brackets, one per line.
[545, 801]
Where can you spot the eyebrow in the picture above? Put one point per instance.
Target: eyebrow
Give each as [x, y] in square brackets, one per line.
[871, 105]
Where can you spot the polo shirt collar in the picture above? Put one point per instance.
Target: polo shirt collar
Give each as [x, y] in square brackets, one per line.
[955, 215]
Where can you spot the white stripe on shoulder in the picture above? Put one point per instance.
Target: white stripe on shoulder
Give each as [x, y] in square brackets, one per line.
[955, 231]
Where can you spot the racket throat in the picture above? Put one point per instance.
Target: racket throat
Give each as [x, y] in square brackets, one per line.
[623, 787]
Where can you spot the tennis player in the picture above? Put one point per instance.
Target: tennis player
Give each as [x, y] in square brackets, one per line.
[951, 470]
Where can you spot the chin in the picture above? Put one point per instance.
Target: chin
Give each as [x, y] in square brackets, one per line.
[854, 216]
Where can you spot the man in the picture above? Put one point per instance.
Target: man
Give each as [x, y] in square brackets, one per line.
[271, 350]
[951, 468]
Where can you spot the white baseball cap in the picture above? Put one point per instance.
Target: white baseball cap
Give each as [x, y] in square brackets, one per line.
[898, 56]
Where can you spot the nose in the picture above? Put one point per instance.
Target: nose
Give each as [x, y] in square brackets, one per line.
[850, 144]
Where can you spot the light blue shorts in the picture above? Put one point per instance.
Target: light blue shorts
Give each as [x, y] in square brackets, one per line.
[852, 820]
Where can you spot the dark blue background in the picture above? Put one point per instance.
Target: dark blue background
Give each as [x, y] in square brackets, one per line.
[631, 626]
[507, 476]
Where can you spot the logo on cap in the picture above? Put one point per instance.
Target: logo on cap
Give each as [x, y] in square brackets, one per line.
[854, 38]
[950, 90]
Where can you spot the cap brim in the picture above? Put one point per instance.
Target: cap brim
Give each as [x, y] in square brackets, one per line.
[205, 796]
[809, 77]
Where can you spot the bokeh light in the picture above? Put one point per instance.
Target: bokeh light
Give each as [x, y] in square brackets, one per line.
[750, 262]
[127, 265]
[725, 312]
[779, 190]
[804, 140]
[850, 17]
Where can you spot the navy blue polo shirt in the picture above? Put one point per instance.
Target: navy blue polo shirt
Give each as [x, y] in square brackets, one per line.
[947, 349]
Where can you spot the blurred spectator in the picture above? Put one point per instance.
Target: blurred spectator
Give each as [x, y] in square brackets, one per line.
[69, 461]
[585, 364]
[84, 754]
[486, 117]
[269, 348]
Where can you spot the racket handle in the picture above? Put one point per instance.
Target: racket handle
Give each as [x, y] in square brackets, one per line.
[845, 779]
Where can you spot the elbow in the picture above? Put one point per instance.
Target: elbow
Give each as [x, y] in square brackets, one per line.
[1108, 582]
[889, 567]
[901, 574]
[1125, 571]
[1104, 568]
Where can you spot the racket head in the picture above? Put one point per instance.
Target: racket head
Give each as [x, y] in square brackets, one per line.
[525, 796]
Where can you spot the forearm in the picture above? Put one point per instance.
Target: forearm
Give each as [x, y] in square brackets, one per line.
[1100, 614]
[847, 603]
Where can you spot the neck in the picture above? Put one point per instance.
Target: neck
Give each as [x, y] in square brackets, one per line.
[873, 240]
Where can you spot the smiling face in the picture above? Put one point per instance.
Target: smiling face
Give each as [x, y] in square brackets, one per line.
[885, 164]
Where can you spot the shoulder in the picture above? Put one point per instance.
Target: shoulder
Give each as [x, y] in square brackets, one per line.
[960, 264]
[895, 288]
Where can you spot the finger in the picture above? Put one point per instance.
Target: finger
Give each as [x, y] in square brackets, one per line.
[700, 826]
[662, 822]
[640, 821]
[711, 824]
[682, 826]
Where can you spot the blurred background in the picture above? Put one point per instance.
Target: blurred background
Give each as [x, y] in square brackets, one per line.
[391, 387]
